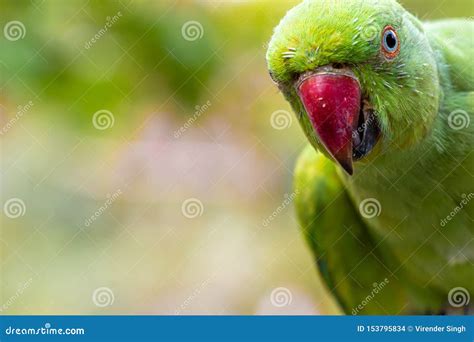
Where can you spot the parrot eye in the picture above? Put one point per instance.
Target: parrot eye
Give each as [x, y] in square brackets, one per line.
[390, 43]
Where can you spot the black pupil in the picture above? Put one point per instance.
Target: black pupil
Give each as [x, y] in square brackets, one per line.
[391, 40]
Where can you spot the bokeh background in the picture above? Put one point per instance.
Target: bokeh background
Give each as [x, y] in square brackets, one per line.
[147, 159]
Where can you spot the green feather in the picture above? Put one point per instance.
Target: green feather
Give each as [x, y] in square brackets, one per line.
[421, 170]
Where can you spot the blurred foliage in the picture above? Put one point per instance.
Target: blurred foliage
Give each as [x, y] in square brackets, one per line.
[141, 58]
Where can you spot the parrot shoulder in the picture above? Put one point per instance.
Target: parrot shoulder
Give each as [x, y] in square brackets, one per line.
[350, 262]
[453, 39]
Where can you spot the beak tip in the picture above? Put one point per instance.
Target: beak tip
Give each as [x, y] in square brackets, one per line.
[347, 166]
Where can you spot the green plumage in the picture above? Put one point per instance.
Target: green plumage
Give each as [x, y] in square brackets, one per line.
[420, 173]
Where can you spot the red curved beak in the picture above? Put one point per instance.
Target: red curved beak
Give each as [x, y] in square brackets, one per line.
[332, 100]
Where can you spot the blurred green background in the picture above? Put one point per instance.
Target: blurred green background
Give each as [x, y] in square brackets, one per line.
[157, 119]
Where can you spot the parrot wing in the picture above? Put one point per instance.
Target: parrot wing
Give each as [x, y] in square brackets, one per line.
[353, 266]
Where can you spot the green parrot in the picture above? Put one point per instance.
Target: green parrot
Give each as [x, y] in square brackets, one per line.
[385, 187]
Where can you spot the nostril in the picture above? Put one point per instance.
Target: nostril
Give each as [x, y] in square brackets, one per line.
[338, 65]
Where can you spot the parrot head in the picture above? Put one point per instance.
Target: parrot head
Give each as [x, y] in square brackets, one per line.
[359, 74]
